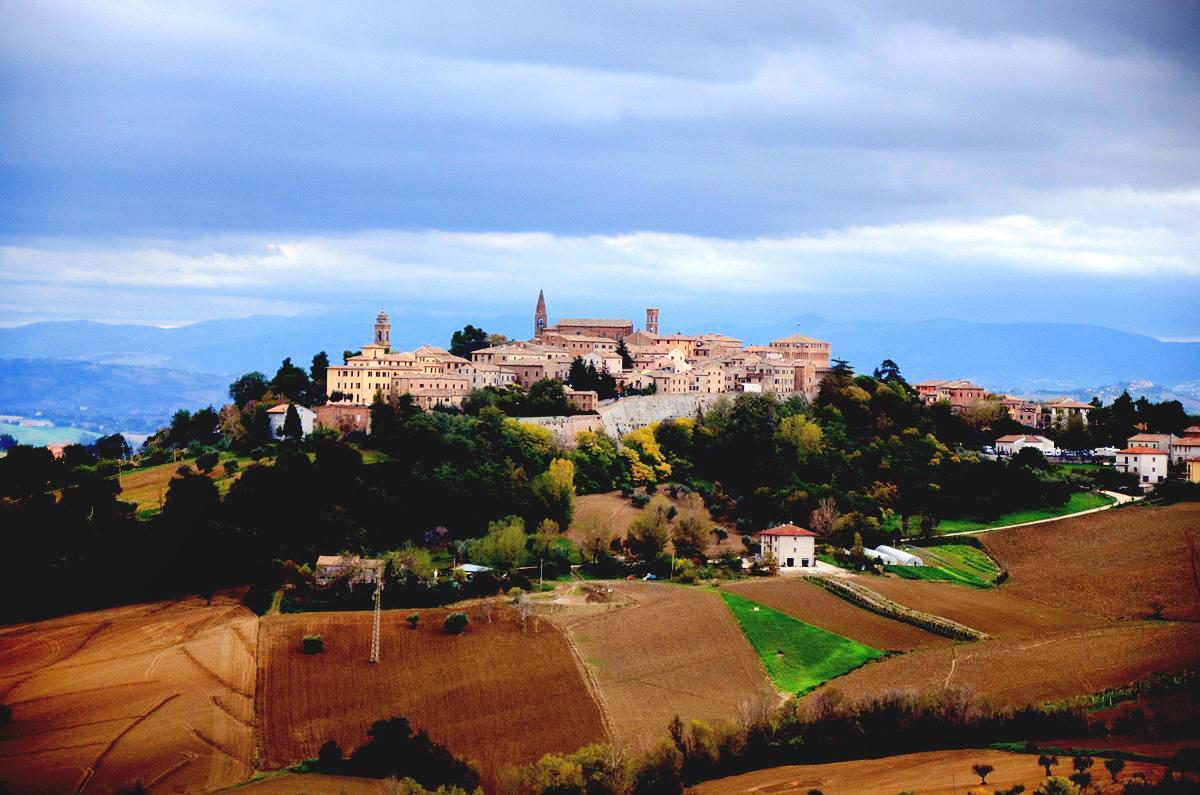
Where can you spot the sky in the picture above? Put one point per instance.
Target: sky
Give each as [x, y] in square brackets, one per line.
[166, 163]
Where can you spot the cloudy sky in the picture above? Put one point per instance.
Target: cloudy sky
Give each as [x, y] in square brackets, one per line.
[167, 163]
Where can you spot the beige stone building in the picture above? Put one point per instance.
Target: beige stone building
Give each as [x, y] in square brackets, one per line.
[959, 394]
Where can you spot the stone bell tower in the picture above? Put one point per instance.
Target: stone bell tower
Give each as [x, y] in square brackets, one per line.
[652, 321]
[383, 330]
[539, 316]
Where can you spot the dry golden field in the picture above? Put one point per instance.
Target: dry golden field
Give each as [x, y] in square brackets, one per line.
[160, 693]
[496, 695]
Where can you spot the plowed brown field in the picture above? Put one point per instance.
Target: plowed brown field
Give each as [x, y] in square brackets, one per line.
[933, 772]
[1017, 671]
[162, 693]
[1000, 612]
[495, 695]
[674, 651]
[814, 605]
[1113, 563]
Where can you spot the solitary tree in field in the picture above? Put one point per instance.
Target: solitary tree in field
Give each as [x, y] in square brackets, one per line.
[982, 771]
[1082, 763]
[412, 619]
[1082, 779]
[1114, 768]
[1047, 762]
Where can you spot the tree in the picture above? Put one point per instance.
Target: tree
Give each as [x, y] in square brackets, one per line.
[251, 386]
[470, 339]
[412, 619]
[1057, 785]
[690, 536]
[554, 492]
[7, 442]
[312, 644]
[231, 467]
[596, 534]
[545, 536]
[1114, 767]
[292, 427]
[623, 352]
[982, 771]
[504, 545]
[330, 757]
[455, 623]
[191, 499]
[113, 446]
[291, 382]
[316, 374]
[206, 461]
[650, 531]
[1030, 458]
[822, 519]
[1082, 763]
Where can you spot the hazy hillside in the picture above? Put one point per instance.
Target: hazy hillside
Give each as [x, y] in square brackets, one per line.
[103, 397]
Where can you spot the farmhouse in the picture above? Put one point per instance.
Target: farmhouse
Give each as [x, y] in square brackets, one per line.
[1148, 463]
[1011, 444]
[793, 547]
[1155, 441]
[360, 571]
[1185, 449]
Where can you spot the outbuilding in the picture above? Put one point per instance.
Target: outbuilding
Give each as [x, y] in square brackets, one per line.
[900, 557]
[792, 547]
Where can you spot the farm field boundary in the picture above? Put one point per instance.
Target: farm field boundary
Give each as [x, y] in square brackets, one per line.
[876, 603]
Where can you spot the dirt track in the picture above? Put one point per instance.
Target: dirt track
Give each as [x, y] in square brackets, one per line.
[160, 693]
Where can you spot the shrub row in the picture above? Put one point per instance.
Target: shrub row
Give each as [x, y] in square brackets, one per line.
[869, 600]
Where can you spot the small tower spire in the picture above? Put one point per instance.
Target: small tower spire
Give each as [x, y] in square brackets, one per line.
[539, 315]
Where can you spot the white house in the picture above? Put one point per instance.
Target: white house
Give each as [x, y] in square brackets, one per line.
[792, 547]
[1011, 444]
[1149, 464]
[361, 571]
[1185, 449]
[278, 415]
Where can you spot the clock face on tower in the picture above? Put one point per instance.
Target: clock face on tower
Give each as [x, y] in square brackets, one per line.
[541, 322]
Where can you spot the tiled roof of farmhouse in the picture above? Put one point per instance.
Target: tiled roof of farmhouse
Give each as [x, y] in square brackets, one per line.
[610, 322]
[1016, 437]
[787, 530]
[1148, 437]
[1142, 451]
[1188, 441]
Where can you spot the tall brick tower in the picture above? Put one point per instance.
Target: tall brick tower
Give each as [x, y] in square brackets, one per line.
[652, 321]
[539, 316]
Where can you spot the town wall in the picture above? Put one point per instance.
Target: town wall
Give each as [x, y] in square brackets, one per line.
[618, 417]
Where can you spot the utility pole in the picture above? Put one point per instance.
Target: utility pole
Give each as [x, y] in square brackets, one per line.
[541, 579]
[375, 624]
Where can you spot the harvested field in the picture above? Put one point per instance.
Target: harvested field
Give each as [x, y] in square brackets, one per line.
[162, 693]
[814, 605]
[147, 488]
[495, 695]
[1112, 564]
[675, 651]
[1000, 612]
[1020, 670]
[931, 772]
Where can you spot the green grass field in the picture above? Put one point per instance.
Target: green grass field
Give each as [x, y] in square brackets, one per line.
[1080, 501]
[798, 656]
[937, 573]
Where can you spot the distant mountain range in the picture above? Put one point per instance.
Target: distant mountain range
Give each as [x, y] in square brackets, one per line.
[133, 377]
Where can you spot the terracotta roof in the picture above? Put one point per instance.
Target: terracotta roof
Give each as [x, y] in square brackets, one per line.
[1142, 437]
[799, 338]
[1188, 441]
[605, 322]
[787, 530]
[1016, 437]
[1142, 451]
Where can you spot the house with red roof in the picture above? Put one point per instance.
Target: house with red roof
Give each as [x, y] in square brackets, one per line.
[1148, 463]
[792, 547]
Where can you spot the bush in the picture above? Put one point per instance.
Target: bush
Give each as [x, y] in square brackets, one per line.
[455, 623]
[206, 461]
[412, 619]
[231, 466]
[312, 644]
[5, 714]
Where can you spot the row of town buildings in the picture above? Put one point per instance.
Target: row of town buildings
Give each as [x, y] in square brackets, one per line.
[670, 364]
[963, 395]
[1149, 456]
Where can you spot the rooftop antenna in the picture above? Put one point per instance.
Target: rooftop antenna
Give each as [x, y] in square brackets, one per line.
[375, 624]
